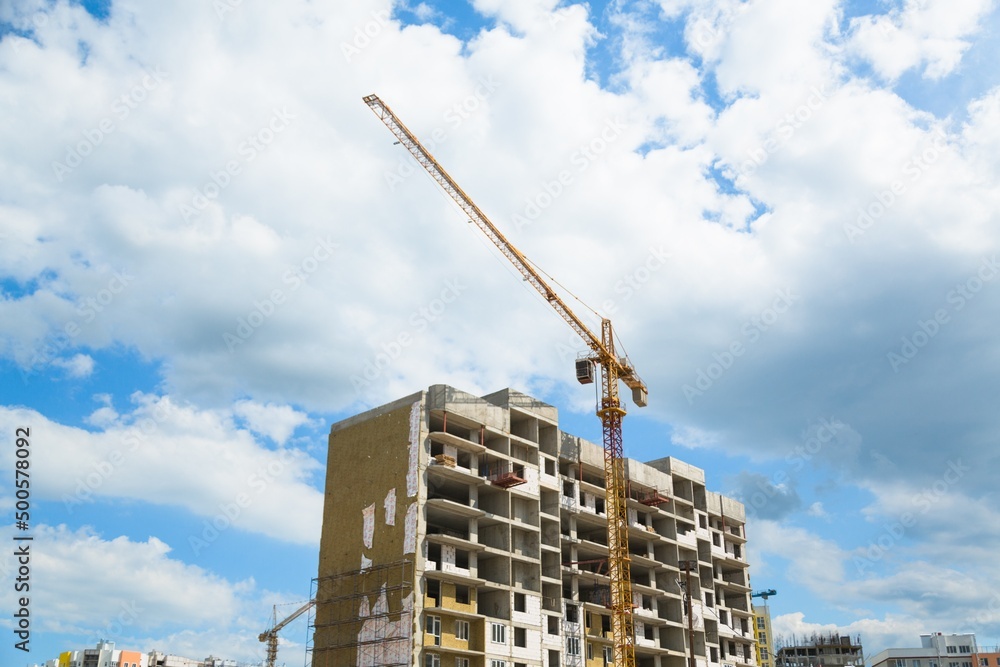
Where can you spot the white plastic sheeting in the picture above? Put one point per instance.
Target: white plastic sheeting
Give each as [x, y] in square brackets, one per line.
[413, 473]
[410, 530]
[368, 514]
[390, 507]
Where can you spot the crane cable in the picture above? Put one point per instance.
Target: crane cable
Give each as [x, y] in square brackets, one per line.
[495, 253]
[498, 257]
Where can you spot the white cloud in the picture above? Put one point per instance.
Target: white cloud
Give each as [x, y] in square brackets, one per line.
[70, 563]
[817, 510]
[669, 90]
[277, 422]
[140, 594]
[981, 135]
[77, 366]
[102, 416]
[523, 15]
[930, 572]
[749, 64]
[933, 34]
[814, 562]
[166, 453]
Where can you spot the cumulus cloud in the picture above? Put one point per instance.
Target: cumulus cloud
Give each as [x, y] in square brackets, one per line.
[817, 510]
[167, 453]
[77, 366]
[140, 593]
[813, 562]
[277, 422]
[933, 35]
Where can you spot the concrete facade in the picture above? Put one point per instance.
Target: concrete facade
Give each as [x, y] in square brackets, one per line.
[467, 531]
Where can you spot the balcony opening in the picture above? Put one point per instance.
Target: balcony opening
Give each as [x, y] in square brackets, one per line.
[434, 592]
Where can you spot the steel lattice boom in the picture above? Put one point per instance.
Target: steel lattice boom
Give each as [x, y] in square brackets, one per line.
[613, 368]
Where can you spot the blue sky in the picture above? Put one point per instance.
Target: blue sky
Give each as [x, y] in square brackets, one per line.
[207, 242]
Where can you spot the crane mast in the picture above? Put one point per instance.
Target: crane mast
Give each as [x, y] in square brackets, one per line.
[602, 353]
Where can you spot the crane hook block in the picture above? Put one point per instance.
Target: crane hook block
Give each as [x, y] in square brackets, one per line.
[584, 371]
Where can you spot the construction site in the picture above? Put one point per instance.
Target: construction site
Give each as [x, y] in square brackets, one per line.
[471, 531]
[470, 333]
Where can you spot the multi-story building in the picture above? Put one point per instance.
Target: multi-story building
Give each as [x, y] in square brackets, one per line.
[822, 651]
[936, 650]
[466, 531]
[104, 654]
[763, 635]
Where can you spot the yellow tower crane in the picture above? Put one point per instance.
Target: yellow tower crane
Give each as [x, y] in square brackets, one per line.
[270, 636]
[612, 368]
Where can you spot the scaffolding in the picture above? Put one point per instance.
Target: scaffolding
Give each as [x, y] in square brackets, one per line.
[364, 618]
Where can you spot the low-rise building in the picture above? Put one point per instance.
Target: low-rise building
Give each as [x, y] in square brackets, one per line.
[936, 650]
[822, 651]
[157, 659]
[106, 655]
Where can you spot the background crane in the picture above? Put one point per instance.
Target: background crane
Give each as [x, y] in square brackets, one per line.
[271, 636]
[762, 635]
[602, 353]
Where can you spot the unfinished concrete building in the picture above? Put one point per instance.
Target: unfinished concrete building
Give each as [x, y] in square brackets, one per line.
[466, 531]
[831, 650]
